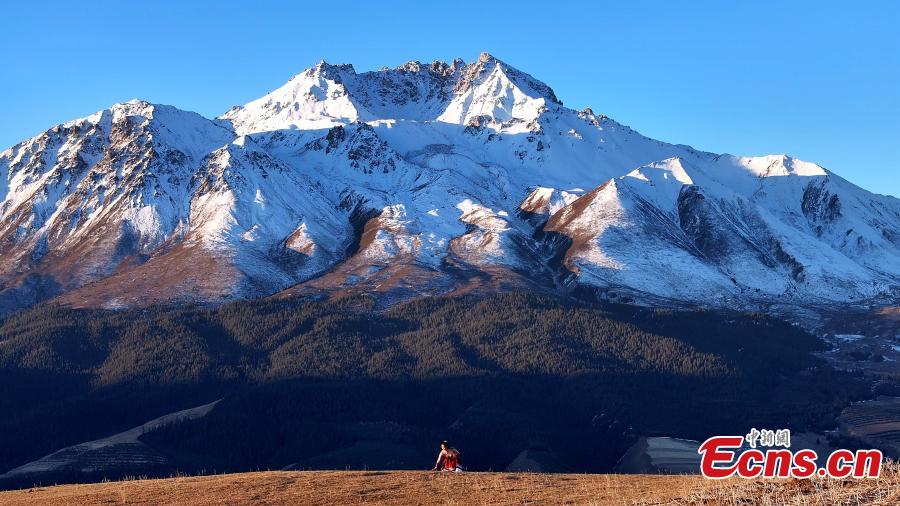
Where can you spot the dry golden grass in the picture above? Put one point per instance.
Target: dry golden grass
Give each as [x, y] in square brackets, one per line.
[404, 487]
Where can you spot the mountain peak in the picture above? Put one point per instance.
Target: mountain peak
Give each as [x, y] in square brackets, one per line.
[672, 170]
[134, 102]
[411, 66]
[326, 95]
[780, 165]
[313, 99]
[158, 113]
[485, 57]
[487, 62]
[324, 66]
[131, 107]
[493, 89]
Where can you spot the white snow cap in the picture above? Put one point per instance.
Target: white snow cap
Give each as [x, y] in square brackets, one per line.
[437, 164]
[327, 95]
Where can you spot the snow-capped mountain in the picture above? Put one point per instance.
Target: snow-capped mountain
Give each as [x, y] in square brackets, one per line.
[423, 179]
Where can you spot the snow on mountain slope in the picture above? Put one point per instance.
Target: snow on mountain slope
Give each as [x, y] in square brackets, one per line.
[113, 184]
[672, 221]
[277, 222]
[617, 239]
[442, 170]
[413, 91]
[491, 90]
[327, 95]
[315, 98]
[155, 190]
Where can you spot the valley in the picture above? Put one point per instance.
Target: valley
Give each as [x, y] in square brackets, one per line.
[515, 379]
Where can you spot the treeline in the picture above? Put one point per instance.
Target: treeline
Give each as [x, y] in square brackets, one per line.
[506, 333]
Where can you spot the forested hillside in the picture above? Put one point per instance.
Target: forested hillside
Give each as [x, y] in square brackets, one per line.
[337, 383]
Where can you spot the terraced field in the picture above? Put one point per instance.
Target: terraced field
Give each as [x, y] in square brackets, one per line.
[876, 422]
[122, 451]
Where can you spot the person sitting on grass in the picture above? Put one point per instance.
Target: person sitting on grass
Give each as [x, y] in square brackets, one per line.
[448, 459]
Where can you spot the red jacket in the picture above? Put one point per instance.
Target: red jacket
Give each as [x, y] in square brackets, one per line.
[451, 460]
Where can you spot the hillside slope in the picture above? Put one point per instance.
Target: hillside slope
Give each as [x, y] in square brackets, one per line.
[338, 384]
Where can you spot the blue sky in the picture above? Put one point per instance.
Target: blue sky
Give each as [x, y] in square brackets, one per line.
[817, 80]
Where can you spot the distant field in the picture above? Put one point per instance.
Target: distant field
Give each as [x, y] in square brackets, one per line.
[403, 487]
[876, 422]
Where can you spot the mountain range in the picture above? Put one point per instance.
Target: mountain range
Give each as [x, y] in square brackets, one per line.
[423, 179]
